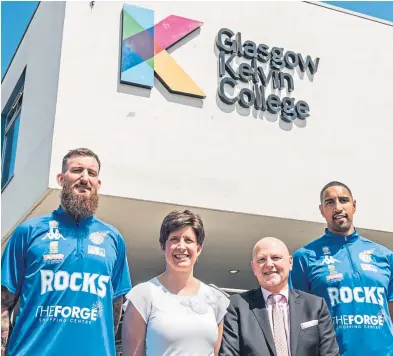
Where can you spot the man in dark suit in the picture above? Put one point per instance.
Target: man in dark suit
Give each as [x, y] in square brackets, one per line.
[274, 320]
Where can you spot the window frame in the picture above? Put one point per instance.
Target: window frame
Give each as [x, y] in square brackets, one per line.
[9, 118]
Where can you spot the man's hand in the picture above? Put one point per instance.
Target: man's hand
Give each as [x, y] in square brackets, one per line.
[8, 302]
[4, 330]
[117, 308]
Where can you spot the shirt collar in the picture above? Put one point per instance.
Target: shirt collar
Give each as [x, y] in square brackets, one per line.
[266, 293]
[340, 238]
[66, 216]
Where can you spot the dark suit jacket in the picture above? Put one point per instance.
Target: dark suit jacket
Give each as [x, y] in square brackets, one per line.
[247, 329]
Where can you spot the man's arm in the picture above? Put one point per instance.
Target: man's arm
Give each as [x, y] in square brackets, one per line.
[390, 288]
[230, 345]
[8, 302]
[121, 281]
[117, 307]
[327, 337]
[298, 277]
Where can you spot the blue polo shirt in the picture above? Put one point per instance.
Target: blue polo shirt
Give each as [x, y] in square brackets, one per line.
[355, 276]
[66, 275]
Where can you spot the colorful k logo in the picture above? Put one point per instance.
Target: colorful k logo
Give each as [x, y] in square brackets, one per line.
[144, 46]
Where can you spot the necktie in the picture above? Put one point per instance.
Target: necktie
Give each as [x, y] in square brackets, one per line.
[279, 334]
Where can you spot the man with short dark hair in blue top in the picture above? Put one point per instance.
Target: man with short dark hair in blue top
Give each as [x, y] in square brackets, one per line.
[353, 274]
[69, 271]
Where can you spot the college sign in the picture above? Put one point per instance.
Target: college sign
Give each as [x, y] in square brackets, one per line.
[144, 51]
[253, 72]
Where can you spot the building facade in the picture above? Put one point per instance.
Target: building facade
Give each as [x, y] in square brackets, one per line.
[246, 165]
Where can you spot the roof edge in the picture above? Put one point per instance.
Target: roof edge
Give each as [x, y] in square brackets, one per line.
[327, 6]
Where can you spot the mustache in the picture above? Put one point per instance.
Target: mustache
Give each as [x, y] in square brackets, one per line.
[340, 214]
[84, 185]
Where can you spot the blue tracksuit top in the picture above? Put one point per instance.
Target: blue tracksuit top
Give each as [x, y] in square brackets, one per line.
[66, 275]
[355, 276]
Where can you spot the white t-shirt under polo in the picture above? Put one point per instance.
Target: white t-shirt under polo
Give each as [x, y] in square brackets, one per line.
[179, 325]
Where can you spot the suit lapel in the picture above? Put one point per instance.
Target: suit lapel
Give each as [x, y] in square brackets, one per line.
[295, 313]
[260, 311]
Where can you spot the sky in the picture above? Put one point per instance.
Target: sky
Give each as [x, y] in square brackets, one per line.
[15, 16]
[380, 9]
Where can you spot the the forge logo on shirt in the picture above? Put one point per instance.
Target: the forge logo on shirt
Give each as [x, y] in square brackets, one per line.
[72, 314]
[78, 282]
[358, 321]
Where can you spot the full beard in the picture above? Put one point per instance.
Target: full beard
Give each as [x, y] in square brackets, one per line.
[79, 206]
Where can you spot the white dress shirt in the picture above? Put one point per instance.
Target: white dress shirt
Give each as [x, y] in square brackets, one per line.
[285, 309]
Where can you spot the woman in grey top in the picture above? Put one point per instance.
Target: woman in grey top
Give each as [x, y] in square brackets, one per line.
[175, 313]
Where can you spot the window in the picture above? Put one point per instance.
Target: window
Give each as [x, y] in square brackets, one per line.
[10, 141]
[10, 120]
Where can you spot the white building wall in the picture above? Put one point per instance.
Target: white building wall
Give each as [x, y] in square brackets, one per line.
[40, 52]
[160, 147]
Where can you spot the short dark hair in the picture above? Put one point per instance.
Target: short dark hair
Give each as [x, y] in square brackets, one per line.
[78, 152]
[334, 184]
[179, 218]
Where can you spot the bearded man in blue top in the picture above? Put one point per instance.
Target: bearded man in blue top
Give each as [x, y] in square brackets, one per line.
[69, 271]
[353, 274]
